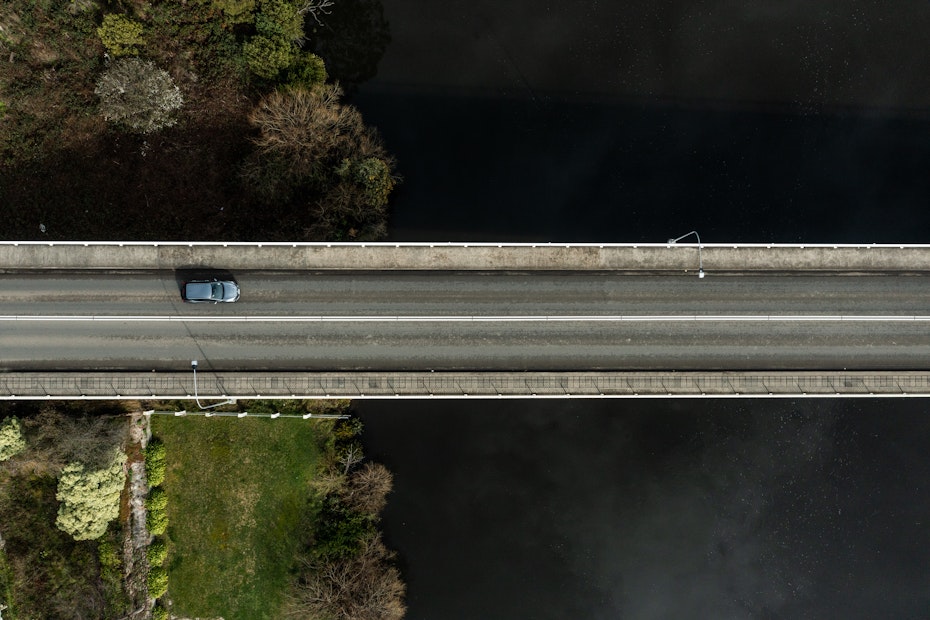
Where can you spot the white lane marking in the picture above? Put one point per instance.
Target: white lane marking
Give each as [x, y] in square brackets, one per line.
[672, 318]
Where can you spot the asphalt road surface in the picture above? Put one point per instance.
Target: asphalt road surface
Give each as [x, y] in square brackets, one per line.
[446, 321]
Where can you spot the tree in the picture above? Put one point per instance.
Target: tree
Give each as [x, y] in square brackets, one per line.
[348, 429]
[11, 438]
[139, 96]
[267, 56]
[373, 175]
[307, 71]
[350, 455]
[344, 213]
[304, 138]
[363, 587]
[308, 126]
[279, 28]
[237, 11]
[120, 35]
[316, 8]
[89, 499]
[59, 434]
[367, 488]
[353, 41]
[280, 18]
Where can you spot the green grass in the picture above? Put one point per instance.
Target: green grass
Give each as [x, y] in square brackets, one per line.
[237, 495]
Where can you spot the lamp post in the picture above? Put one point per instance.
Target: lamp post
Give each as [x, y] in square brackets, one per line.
[231, 401]
[700, 257]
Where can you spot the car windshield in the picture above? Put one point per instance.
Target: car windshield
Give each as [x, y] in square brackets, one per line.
[217, 290]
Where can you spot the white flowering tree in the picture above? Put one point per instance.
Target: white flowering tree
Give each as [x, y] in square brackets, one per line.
[11, 438]
[138, 95]
[89, 499]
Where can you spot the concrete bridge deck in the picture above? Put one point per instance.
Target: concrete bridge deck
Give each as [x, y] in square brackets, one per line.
[659, 258]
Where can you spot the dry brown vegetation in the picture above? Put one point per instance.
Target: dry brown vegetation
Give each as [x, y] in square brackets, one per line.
[57, 435]
[347, 573]
[367, 489]
[365, 586]
[306, 137]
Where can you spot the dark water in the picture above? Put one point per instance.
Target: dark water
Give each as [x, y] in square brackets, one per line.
[658, 509]
[637, 121]
[478, 168]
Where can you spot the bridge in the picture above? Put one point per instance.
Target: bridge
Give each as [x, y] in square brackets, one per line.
[465, 320]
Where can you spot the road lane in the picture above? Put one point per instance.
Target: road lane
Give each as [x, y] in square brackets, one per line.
[349, 321]
[387, 293]
[460, 345]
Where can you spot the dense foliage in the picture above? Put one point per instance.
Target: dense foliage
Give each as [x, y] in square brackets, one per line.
[11, 438]
[120, 35]
[157, 553]
[92, 104]
[155, 463]
[44, 571]
[346, 571]
[310, 144]
[156, 517]
[157, 581]
[89, 498]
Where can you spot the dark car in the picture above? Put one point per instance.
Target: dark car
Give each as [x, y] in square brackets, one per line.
[212, 290]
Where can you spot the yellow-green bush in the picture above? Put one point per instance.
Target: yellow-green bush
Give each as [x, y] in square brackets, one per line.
[156, 518]
[157, 581]
[237, 11]
[267, 56]
[307, 71]
[89, 499]
[11, 436]
[120, 35]
[157, 553]
[155, 463]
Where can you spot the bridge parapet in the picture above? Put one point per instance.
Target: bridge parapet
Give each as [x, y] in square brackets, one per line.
[480, 256]
[390, 385]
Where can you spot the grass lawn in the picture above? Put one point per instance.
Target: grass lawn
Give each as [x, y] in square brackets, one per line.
[237, 492]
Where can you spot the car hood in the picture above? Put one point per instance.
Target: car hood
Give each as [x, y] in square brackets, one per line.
[230, 291]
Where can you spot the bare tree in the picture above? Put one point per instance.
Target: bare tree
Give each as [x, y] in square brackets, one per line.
[306, 125]
[363, 587]
[55, 438]
[367, 489]
[316, 8]
[351, 456]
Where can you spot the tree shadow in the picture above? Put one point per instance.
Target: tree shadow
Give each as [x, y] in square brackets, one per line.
[351, 41]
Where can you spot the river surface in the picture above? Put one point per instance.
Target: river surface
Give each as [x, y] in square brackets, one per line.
[639, 121]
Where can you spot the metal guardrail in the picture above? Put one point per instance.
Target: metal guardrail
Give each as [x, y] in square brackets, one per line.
[453, 244]
[390, 385]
